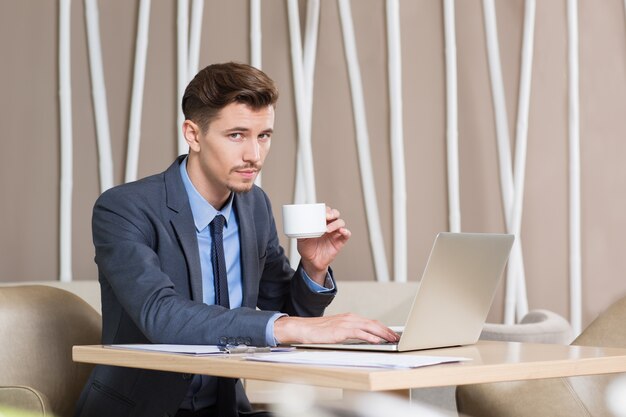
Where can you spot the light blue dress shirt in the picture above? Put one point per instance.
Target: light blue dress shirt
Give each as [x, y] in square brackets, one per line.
[202, 390]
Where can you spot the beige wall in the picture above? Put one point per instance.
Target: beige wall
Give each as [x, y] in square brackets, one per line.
[29, 129]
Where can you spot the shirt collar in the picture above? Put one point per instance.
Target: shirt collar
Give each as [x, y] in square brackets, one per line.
[203, 212]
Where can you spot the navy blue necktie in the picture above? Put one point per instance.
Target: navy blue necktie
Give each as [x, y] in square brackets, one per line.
[226, 395]
[219, 262]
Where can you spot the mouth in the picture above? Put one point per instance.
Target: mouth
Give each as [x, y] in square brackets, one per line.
[247, 173]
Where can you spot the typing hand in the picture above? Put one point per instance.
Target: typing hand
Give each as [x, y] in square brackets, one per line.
[318, 253]
[331, 329]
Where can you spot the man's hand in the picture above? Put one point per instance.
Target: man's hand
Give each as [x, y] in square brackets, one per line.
[317, 254]
[331, 329]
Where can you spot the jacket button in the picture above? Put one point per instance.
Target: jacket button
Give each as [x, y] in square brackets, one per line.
[187, 377]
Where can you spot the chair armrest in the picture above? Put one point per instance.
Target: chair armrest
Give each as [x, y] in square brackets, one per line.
[538, 326]
[27, 400]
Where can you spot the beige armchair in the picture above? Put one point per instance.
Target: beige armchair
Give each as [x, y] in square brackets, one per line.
[538, 326]
[567, 397]
[38, 327]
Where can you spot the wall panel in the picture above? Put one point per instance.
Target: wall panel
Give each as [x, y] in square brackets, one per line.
[29, 129]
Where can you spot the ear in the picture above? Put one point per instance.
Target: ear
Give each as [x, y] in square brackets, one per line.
[191, 133]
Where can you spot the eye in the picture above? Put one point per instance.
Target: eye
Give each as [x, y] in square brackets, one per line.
[236, 136]
[264, 137]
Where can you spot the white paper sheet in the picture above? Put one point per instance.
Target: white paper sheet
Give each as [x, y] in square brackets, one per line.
[187, 349]
[355, 359]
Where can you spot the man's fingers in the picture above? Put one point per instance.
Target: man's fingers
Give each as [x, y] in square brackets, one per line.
[331, 329]
[365, 329]
[335, 225]
[368, 337]
[332, 214]
[381, 331]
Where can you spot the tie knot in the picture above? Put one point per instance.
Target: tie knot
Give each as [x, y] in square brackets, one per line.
[217, 224]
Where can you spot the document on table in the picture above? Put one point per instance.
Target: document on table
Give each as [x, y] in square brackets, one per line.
[355, 359]
[187, 349]
[199, 349]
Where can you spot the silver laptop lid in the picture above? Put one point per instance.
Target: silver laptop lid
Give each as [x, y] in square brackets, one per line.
[456, 291]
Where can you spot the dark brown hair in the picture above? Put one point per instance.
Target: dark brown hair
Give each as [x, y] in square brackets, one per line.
[219, 85]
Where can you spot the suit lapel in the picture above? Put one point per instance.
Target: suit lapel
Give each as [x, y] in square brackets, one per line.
[186, 233]
[249, 251]
[182, 222]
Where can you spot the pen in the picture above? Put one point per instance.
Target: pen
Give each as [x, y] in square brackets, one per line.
[244, 349]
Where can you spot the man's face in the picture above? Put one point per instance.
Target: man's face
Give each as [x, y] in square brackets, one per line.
[230, 154]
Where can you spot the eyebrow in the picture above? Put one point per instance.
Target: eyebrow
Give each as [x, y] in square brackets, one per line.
[245, 129]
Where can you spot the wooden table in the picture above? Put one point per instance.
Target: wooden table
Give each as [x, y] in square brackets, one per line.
[491, 362]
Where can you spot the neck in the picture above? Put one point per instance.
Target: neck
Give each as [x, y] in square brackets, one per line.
[216, 195]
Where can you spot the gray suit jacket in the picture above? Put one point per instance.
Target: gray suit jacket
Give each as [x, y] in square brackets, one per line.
[149, 272]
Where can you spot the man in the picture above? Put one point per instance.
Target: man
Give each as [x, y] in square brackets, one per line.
[191, 256]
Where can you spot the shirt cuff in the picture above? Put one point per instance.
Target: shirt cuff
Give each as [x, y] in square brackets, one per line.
[329, 284]
[269, 329]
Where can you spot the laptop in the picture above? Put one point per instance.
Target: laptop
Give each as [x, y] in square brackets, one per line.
[454, 297]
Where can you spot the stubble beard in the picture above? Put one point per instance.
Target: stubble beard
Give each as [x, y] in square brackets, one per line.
[245, 187]
[240, 188]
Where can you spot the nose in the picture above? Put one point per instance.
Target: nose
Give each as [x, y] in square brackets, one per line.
[252, 152]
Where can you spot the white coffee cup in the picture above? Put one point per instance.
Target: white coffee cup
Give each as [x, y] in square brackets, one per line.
[303, 221]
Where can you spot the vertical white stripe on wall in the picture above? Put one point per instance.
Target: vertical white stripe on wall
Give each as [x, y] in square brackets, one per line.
[182, 49]
[521, 145]
[300, 91]
[65, 113]
[362, 138]
[499, 103]
[308, 61]
[394, 61]
[195, 32]
[452, 129]
[515, 265]
[574, 169]
[136, 103]
[310, 47]
[309, 53]
[502, 134]
[255, 33]
[303, 90]
[98, 93]
[255, 48]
